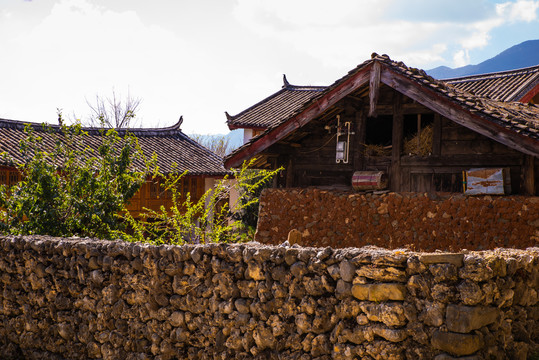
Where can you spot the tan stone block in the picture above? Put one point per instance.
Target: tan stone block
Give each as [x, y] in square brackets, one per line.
[360, 291]
[441, 258]
[384, 292]
[382, 273]
[464, 319]
[391, 314]
[456, 344]
[379, 292]
[393, 335]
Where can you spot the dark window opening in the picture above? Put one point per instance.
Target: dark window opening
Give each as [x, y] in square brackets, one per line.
[379, 135]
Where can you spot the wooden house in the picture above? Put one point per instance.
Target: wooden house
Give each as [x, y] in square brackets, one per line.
[384, 116]
[170, 145]
[513, 85]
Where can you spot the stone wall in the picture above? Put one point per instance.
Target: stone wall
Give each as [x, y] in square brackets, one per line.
[90, 299]
[417, 221]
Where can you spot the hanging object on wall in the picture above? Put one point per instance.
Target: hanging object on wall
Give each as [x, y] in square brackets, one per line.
[343, 141]
[483, 181]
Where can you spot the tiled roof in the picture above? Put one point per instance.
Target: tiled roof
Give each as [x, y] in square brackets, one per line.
[522, 119]
[275, 108]
[510, 85]
[170, 145]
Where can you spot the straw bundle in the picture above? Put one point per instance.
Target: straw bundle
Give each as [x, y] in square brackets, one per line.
[423, 147]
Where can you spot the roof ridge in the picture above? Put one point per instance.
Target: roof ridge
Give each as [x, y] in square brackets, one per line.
[528, 69]
[170, 130]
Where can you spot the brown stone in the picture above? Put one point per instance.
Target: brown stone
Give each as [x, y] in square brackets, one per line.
[382, 273]
[393, 335]
[456, 344]
[391, 314]
[442, 258]
[379, 292]
[464, 319]
[294, 237]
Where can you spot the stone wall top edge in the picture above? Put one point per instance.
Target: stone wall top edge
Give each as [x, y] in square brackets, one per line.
[378, 194]
[30, 241]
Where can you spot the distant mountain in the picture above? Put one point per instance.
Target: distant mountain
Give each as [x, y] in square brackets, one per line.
[516, 57]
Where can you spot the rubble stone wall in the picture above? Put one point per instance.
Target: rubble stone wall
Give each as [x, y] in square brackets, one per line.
[424, 222]
[91, 299]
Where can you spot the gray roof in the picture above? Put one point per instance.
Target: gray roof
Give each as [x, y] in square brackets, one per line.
[510, 85]
[170, 145]
[275, 108]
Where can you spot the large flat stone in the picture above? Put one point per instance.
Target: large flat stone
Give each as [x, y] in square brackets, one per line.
[464, 319]
[379, 292]
[382, 273]
[442, 258]
[456, 344]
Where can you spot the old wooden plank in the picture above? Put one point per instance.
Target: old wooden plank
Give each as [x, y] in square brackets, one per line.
[451, 110]
[396, 142]
[437, 135]
[374, 88]
[315, 109]
[361, 132]
[484, 160]
[290, 172]
[528, 175]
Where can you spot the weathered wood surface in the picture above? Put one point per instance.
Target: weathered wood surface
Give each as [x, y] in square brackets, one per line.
[374, 88]
[456, 113]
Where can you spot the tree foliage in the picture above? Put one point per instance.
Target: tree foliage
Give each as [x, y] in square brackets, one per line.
[210, 219]
[70, 189]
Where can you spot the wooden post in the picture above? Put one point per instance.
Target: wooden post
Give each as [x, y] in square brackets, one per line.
[528, 174]
[361, 129]
[396, 142]
[374, 88]
[418, 133]
[437, 135]
[290, 173]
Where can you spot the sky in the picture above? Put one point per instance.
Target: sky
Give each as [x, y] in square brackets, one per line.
[200, 58]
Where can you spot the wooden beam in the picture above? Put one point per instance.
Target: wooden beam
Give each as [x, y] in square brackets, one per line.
[455, 112]
[396, 142]
[290, 172]
[437, 135]
[374, 88]
[528, 175]
[476, 160]
[361, 132]
[316, 108]
[407, 109]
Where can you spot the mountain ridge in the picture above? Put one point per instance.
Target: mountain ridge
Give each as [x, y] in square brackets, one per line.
[518, 56]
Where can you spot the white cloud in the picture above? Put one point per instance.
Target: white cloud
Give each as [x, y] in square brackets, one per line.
[80, 50]
[461, 58]
[522, 10]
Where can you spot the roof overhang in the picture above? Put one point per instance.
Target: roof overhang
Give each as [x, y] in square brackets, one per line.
[312, 110]
[425, 95]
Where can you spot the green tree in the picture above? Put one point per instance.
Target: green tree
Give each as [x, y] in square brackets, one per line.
[70, 188]
[209, 219]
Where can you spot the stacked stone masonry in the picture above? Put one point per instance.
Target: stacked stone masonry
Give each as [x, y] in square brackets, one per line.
[425, 222]
[91, 299]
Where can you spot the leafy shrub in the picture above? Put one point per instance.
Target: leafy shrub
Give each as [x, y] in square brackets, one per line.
[69, 188]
